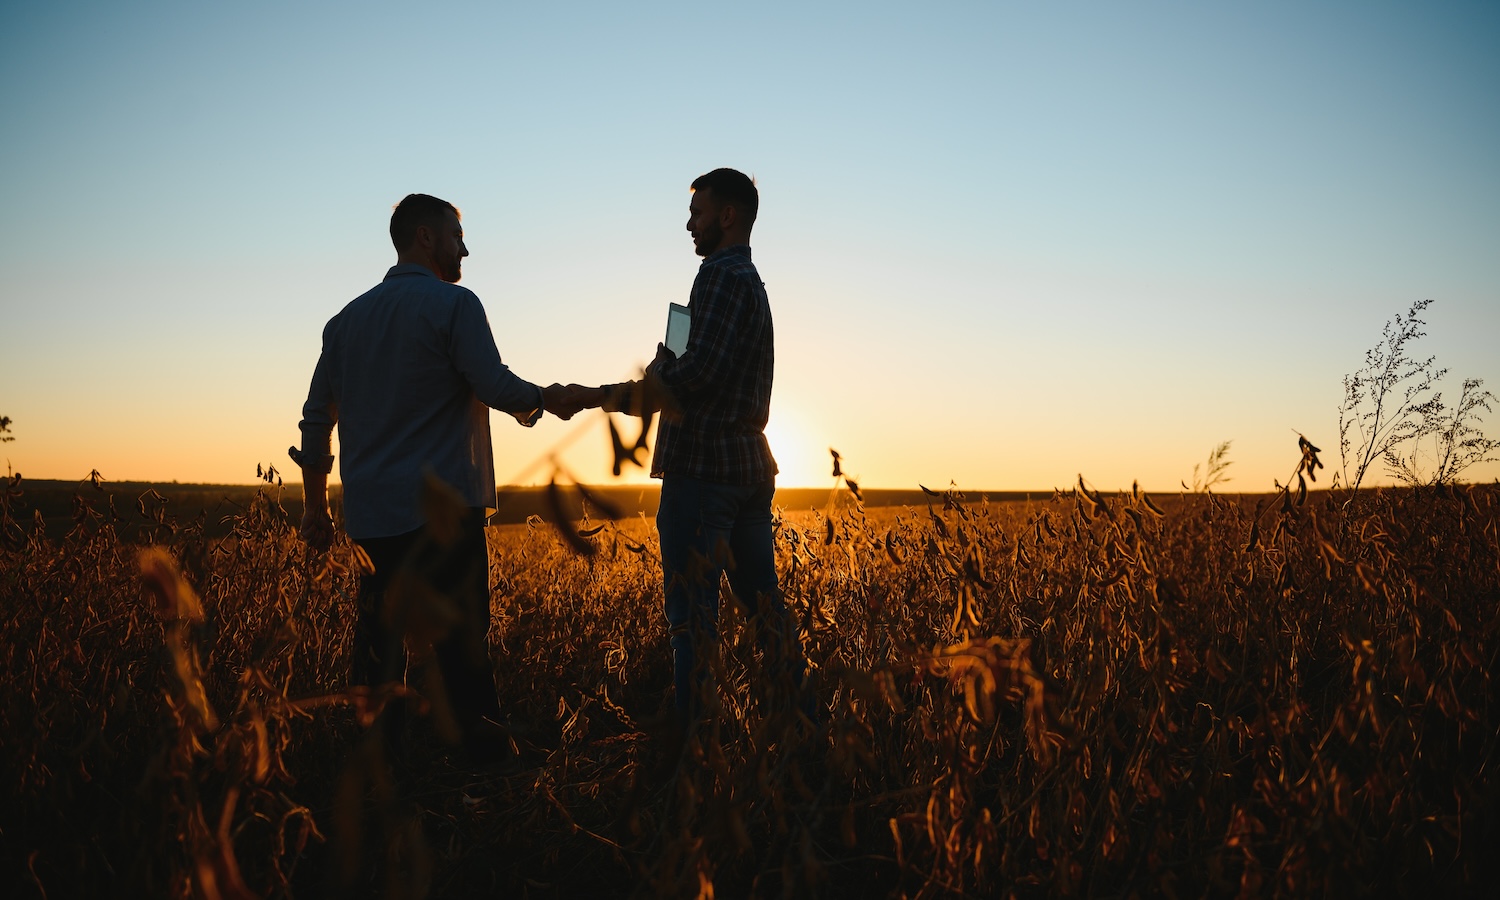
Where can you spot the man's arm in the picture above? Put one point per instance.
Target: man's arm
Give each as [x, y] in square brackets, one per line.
[317, 521]
[319, 415]
[644, 397]
[472, 348]
[636, 398]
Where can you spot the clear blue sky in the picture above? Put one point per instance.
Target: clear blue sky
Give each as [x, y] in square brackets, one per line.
[1004, 243]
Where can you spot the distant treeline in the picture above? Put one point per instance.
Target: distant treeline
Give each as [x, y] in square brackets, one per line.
[54, 501]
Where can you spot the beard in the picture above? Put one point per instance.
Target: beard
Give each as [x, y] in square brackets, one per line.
[707, 240]
[450, 270]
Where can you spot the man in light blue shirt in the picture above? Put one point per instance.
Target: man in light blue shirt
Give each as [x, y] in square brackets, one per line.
[408, 374]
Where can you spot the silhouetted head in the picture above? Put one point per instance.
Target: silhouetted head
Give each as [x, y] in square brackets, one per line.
[722, 210]
[428, 232]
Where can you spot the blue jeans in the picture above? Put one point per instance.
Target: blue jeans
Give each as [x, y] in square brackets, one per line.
[705, 529]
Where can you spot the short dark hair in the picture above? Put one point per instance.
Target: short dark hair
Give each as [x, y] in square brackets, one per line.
[414, 211]
[732, 188]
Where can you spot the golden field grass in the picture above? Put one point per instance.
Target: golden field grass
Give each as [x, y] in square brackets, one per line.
[1082, 696]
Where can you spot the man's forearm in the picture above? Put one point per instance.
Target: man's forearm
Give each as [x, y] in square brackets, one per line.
[314, 489]
[638, 398]
[317, 525]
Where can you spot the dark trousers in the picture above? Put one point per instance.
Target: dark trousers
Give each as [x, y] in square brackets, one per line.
[707, 528]
[418, 567]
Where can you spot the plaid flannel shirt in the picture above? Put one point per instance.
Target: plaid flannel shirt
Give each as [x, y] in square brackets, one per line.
[722, 381]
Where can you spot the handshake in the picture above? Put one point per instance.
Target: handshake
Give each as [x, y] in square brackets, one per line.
[637, 398]
[566, 400]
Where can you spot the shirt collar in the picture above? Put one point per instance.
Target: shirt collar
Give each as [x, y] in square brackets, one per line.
[731, 250]
[401, 269]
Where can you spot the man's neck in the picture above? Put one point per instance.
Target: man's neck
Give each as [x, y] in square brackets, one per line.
[727, 243]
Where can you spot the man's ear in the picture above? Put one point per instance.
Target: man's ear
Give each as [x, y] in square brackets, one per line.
[423, 239]
[728, 215]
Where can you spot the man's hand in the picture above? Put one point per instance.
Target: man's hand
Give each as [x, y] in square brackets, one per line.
[663, 355]
[564, 401]
[317, 527]
[317, 524]
[656, 394]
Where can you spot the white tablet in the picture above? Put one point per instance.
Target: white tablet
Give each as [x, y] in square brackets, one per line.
[679, 321]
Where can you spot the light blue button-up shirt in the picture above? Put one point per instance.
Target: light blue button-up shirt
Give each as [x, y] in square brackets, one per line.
[408, 373]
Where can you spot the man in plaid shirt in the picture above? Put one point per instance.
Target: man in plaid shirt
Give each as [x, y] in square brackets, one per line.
[717, 473]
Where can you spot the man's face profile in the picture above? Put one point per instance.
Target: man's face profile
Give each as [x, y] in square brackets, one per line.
[703, 223]
[448, 248]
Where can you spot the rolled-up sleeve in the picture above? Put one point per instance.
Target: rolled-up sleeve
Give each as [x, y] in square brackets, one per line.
[474, 353]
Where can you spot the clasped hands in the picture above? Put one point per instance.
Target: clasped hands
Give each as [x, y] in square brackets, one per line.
[641, 397]
[566, 400]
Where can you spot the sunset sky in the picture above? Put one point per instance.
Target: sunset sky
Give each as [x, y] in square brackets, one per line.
[1005, 244]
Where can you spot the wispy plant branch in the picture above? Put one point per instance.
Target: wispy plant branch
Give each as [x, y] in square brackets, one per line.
[1391, 408]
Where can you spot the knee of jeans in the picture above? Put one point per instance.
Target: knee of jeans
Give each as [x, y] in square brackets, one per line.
[679, 609]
